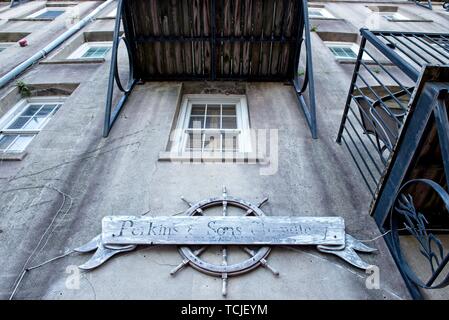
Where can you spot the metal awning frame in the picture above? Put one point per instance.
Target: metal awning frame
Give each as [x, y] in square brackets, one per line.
[302, 86]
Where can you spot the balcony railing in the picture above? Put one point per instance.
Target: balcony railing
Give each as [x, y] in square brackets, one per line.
[388, 69]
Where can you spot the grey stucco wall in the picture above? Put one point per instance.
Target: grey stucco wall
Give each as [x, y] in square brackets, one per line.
[72, 177]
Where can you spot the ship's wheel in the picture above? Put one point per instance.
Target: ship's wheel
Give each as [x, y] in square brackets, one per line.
[257, 255]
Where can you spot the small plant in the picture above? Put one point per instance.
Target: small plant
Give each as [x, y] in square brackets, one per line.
[24, 90]
[301, 73]
[376, 70]
[314, 29]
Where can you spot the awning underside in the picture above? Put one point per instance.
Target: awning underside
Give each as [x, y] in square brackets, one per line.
[216, 40]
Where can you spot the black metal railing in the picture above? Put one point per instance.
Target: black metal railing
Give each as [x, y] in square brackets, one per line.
[386, 73]
[411, 206]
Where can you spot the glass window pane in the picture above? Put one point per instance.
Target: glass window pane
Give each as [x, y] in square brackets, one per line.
[35, 123]
[31, 109]
[5, 141]
[96, 52]
[213, 110]
[19, 123]
[47, 109]
[194, 141]
[349, 53]
[20, 144]
[229, 123]
[196, 122]
[212, 142]
[198, 109]
[230, 142]
[50, 14]
[343, 52]
[229, 110]
[212, 122]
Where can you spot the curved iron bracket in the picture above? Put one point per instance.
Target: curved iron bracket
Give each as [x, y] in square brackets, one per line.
[305, 85]
[111, 114]
[416, 224]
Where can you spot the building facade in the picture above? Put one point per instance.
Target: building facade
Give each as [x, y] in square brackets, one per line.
[59, 176]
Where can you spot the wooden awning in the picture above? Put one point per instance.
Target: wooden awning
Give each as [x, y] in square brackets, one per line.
[252, 40]
[206, 39]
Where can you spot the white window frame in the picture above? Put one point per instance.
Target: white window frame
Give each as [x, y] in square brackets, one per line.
[46, 9]
[15, 112]
[82, 49]
[179, 139]
[353, 46]
[325, 14]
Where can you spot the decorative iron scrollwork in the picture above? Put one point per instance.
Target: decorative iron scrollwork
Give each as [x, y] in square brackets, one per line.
[405, 217]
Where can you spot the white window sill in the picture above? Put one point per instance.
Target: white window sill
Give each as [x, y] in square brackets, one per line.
[31, 19]
[326, 18]
[12, 156]
[74, 61]
[353, 61]
[226, 157]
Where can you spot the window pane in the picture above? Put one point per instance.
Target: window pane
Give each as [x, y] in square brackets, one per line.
[19, 123]
[198, 109]
[213, 110]
[47, 109]
[229, 110]
[20, 144]
[194, 141]
[196, 122]
[5, 141]
[35, 123]
[212, 142]
[343, 52]
[212, 122]
[50, 14]
[96, 52]
[350, 53]
[230, 142]
[31, 109]
[229, 123]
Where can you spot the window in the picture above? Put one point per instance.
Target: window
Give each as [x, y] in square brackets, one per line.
[320, 13]
[212, 124]
[96, 52]
[91, 50]
[345, 51]
[19, 126]
[394, 16]
[47, 13]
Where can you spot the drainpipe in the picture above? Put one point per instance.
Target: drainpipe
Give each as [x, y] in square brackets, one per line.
[53, 45]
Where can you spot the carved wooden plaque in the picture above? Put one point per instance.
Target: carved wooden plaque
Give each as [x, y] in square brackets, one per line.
[223, 230]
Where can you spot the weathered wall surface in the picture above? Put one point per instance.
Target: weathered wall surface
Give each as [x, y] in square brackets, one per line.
[72, 177]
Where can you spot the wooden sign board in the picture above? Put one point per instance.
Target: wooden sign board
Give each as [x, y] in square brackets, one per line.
[223, 230]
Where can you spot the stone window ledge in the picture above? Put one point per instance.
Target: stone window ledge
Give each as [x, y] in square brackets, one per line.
[31, 19]
[73, 61]
[12, 156]
[326, 18]
[213, 157]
